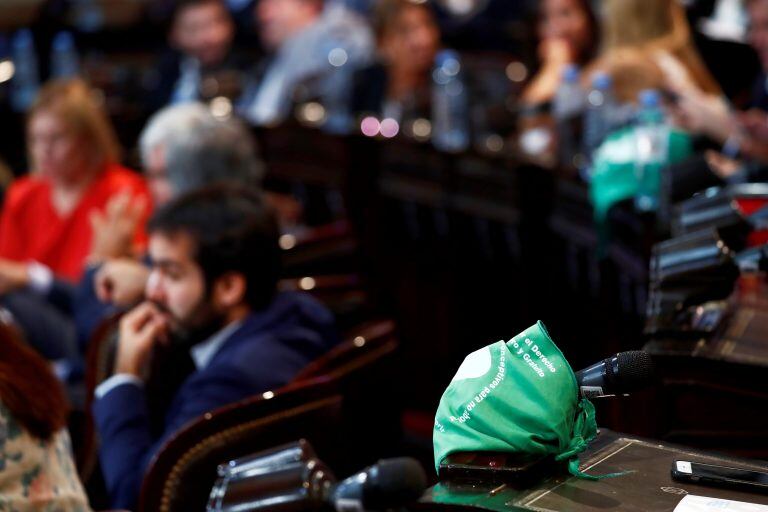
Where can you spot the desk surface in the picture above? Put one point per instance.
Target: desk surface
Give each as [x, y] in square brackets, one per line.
[645, 487]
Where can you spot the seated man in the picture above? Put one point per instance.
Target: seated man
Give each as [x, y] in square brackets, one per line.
[314, 49]
[215, 264]
[201, 45]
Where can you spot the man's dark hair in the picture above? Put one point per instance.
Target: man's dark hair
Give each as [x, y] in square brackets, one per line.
[177, 6]
[233, 231]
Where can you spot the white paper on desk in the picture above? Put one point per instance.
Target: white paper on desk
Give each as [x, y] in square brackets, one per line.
[693, 503]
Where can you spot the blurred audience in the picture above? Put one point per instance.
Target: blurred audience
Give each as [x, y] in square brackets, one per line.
[398, 83]
[37, 471]
[313, 51]
[212, 289]
[568, 34]
[203, 62]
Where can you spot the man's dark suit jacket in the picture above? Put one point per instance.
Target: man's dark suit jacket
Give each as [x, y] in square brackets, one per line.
[264, 353]
[162, 82]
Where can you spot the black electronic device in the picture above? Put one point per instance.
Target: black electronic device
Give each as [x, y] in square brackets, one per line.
[720, 476]
[498, 467]
[290, 478]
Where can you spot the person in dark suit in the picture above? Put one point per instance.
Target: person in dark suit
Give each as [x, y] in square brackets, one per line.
[398, 84]
[202, 61]
[212, 291]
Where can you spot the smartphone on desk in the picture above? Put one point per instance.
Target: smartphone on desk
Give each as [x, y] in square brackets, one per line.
[720, 476]
[493, 466]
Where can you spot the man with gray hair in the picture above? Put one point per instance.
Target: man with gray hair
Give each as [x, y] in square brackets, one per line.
[183, 147]
[186, 147]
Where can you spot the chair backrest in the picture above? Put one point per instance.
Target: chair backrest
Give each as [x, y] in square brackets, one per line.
[99, 361]
[181, 475]
[327, 249]
[322, 405]
[363, 347]
[343, 294]
[311, 164]
[363, 367]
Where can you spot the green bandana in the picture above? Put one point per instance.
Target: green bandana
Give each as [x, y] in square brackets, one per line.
[518, 396]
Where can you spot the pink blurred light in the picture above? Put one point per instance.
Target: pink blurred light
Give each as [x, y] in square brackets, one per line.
[389, 128]
[370, 126]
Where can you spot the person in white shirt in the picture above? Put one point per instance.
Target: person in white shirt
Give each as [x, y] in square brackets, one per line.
[313, 51]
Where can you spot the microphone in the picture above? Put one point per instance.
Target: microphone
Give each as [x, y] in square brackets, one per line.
[390, 483]
[308, 485]
[618, 375]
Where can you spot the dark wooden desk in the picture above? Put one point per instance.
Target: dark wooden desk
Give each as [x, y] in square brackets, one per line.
[712, 391]
[647, 485]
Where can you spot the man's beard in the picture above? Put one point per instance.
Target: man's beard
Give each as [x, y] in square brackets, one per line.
[202, 323]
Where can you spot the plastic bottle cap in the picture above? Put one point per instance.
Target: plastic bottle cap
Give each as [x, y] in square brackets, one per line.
[22, 38]
[649, 98]
[446, 56]
[63, 41]
[602, 81]
[571, 73]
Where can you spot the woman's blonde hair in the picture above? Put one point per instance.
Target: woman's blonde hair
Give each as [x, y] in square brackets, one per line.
[649, 25]
[77, 105]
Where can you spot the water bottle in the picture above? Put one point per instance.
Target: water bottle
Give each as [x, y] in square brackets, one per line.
[450, 121]
[337, 91]
[64, 59]
[26, 77]
[567, 108]
[652, 136]
[601, 115]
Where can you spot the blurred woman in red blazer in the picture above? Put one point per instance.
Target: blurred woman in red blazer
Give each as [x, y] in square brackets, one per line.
[45, 225]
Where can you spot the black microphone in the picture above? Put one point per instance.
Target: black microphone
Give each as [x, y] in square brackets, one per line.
[618, 375]
[390, 483]
[309, 486]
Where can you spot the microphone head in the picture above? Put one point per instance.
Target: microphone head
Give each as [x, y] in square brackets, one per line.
[635, 370]
[394, 483]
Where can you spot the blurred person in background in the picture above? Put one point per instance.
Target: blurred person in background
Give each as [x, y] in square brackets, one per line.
[407, 38]
[758, 39]
[75, 174]
[46, 224]
[37, 472]
[212, 291]
[313, 50]
[183, 148]
[743, 135]
[203, 62]
[647, 44]
[186, 147]
[568, 34]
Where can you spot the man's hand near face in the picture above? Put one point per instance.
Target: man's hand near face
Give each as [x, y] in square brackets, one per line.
[140, 330]
[121, 282]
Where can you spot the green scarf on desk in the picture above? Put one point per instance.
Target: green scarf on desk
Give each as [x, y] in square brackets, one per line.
[518, 396]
